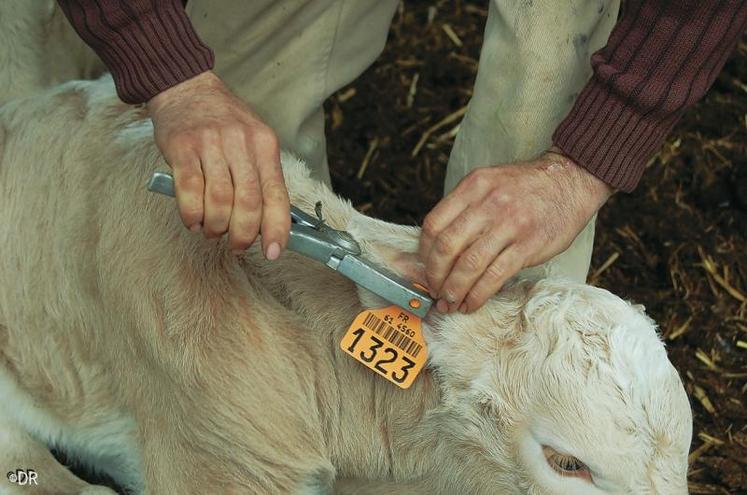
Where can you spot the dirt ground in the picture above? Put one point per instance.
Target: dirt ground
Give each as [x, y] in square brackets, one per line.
[677, 244]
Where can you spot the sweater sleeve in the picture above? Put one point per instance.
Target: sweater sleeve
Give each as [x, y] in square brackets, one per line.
[148, 45]
[661, 57]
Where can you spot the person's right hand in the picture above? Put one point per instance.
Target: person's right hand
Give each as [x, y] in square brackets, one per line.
[226, 164]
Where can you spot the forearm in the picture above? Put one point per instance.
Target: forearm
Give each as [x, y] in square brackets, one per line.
[660, 59]
[148, 45]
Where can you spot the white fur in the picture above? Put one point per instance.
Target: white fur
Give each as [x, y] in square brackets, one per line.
[125, 286]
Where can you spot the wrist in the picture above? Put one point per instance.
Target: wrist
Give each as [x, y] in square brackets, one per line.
[595, 189]
[202, 81]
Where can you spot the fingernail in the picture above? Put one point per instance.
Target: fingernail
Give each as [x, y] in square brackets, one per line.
[442, 306]
[449, 297]
[463, 308]
[273, 251]
[196, 227]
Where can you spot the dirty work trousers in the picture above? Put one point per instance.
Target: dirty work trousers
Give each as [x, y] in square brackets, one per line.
[285, 57]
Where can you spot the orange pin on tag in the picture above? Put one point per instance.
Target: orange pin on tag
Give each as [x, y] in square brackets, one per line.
[390, 342]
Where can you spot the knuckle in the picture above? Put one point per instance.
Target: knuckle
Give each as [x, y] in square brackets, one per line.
[266, 139]
[250, 183]
[434, 281]
[221, 193]
[450, 293]
[273, 236]
[180, 139]
[189, 219]
[482, 172]
[499, 198]
[247, 199]
[277, 228]
[277, 233]
[444, 244]
[462, 223]
[190, 212]
[214, 229]
[208, 136]
[234, 132]
[245, 224]
[274, 192]
[240, 244]
[472, 261]
[430, 226]
[523, 221]
[244, 237]
[190, 182]
[476, 178]
[474, 299]
[496, 272]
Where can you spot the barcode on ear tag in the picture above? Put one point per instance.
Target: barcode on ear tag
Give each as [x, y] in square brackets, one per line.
[388, 341]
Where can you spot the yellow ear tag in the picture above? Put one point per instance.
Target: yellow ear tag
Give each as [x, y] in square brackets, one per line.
[388, 341]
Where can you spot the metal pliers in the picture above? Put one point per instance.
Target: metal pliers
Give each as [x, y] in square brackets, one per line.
[312, 237]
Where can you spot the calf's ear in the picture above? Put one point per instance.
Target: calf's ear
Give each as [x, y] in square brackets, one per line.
[404, 264]
[390, 246]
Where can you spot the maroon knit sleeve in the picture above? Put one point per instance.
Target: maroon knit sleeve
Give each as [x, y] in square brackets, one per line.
[661, 58]
[148, 45]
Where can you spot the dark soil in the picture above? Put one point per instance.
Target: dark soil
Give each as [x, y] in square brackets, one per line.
[677, 244]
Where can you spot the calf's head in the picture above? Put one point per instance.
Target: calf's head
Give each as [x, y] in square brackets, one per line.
[573, 384]
[558, 387]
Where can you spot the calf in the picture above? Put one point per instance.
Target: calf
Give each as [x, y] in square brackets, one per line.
[153, 355]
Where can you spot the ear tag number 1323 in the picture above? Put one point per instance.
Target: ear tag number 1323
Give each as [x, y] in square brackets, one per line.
[390, 342]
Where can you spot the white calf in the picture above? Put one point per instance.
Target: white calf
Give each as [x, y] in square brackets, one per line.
[153, 355]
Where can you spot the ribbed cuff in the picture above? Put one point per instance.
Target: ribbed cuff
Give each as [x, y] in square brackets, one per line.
[148, 45]
[610, 137]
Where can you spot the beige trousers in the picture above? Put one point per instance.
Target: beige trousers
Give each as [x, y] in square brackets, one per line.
[285, 57]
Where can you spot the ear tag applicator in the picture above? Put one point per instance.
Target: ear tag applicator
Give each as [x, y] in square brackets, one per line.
[389, 340]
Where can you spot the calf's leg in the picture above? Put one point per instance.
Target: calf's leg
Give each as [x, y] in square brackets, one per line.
[22, 452]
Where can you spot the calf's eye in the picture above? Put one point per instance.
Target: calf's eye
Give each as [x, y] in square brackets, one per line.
[566, 465]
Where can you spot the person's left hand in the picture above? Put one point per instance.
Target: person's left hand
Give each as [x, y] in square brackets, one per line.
[501, 219]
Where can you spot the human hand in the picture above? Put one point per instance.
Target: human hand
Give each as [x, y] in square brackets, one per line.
[499, 220]
[226, 164]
